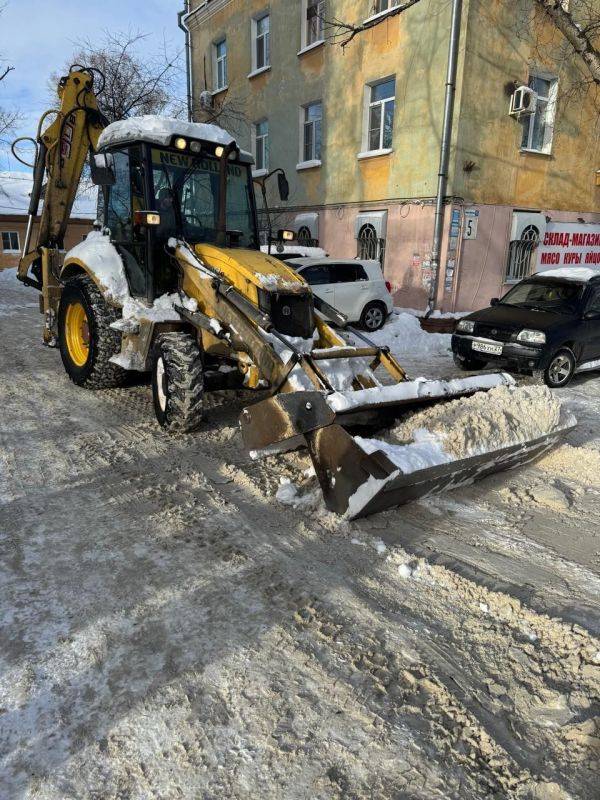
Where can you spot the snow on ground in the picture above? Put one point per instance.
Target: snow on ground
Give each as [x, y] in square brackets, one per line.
[404, 335]
[171, 630]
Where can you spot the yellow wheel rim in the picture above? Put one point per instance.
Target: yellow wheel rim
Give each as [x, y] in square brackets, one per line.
[77, 334]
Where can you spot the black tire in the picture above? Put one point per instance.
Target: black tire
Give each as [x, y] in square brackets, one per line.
[373, 316]
[178, 382]
[469, 364]
[560, 369]
[97, 372]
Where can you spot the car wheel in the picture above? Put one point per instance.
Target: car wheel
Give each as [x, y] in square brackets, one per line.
[373, 316]
[560, 370]
[469, 364]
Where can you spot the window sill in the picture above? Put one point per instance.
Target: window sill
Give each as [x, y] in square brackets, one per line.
[374, 18]
[259, 173]
[215, 92]
[313, 164]
[532, 152]
[375, 153]
[258, 71]
[310, 47]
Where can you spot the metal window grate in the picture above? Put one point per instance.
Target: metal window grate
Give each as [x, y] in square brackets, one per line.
[520, 255]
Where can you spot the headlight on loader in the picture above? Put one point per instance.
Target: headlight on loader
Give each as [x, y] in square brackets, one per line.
[465, 326]
[531, 337]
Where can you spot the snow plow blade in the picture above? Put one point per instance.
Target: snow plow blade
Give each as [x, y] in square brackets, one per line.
[356, 483]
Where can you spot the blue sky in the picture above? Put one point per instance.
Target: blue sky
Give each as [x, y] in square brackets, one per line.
[38, 37]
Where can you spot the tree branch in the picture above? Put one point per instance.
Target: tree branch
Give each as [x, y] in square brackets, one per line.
[577, 36]
[342, 33]
[5, 73]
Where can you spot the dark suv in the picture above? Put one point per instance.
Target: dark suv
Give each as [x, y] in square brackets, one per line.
[547, 324]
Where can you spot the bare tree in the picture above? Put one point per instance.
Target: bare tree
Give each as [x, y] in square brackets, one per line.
[8, 118]
[580, 28]
[132, 82]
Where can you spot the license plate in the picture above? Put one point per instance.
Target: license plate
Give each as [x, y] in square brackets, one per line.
[487, 347]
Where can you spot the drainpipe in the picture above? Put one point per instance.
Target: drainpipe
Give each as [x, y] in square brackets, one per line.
[182, 17]
[445, 152]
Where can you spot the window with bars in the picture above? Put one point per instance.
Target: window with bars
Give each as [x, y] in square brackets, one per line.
[10, 241]
[261, 145]
[311, 129]
[220, 53]
[382, 100]
[521, 254]
[369, 246]
[314, 16]
[262, 42]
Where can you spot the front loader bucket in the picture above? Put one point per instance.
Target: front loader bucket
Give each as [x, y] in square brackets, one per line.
[356, 483]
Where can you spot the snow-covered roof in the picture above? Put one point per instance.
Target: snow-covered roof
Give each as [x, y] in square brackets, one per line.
[577, 274]
[15, 189]
[160, 130]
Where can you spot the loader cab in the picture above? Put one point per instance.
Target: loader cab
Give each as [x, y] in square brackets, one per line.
[158, 192]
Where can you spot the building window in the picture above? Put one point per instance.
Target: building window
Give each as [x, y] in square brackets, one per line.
[381, 103]
[521, 254]
[220, 52]
[538, 128]
[261, 46]
[261, 146]
[305, 237]
[10, 241]
[313, 16]
[312, 115]
[384, 5]
[370, 247]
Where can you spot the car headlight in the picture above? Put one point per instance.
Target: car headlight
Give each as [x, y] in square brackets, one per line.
[466, 326]
[532, 337]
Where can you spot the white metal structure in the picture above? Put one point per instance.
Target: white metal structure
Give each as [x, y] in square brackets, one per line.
[355, 287]
[522, 101]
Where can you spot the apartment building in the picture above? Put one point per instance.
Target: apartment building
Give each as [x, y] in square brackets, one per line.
[357, 130]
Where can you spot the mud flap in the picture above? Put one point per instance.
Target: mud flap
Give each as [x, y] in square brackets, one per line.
[355, 483]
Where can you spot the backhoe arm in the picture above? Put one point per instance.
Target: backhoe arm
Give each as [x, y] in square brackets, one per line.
[61, 152]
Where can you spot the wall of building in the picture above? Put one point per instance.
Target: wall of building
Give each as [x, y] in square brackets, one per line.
[76, 231]
[488, 172]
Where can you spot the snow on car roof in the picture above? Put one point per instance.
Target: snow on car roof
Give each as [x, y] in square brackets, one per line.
[576, 274]
[160, 130]
[295, 249]
[308, 262]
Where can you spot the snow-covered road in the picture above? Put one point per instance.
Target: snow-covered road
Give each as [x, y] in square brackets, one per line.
[169, 630]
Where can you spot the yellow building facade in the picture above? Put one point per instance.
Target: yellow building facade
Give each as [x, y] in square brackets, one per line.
[357, 130]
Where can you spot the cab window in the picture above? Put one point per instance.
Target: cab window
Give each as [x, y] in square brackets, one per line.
[118, 212]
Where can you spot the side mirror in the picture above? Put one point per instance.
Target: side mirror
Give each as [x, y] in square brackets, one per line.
[102, 167]
[284, 187]
[495, 301]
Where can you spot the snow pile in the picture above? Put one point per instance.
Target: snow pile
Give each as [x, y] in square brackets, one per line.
[470, 426]
[160, 130]
[288, 494]
[103, 259]
[275, 282]
[404, 336]
[162, 310]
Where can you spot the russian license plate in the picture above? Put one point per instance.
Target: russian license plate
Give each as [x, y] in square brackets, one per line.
[487, 347]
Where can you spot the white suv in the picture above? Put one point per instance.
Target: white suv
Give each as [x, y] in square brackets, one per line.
[356, 288]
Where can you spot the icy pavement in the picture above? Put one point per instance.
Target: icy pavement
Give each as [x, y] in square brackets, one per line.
[171, 631]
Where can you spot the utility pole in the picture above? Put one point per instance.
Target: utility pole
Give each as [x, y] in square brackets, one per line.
[445, 152]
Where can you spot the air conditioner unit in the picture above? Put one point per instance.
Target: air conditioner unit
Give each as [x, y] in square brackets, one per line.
[206, 101]
[523, 102]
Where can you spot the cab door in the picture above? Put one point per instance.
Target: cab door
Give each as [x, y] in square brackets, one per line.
[124, 198]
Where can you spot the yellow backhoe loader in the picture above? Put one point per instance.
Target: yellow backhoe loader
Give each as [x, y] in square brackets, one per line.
[172, 281]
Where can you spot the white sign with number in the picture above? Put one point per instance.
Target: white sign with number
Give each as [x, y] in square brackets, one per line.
[471, 222]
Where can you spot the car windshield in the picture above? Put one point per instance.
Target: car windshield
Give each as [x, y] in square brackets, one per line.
[538, 295]
[186, 191]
